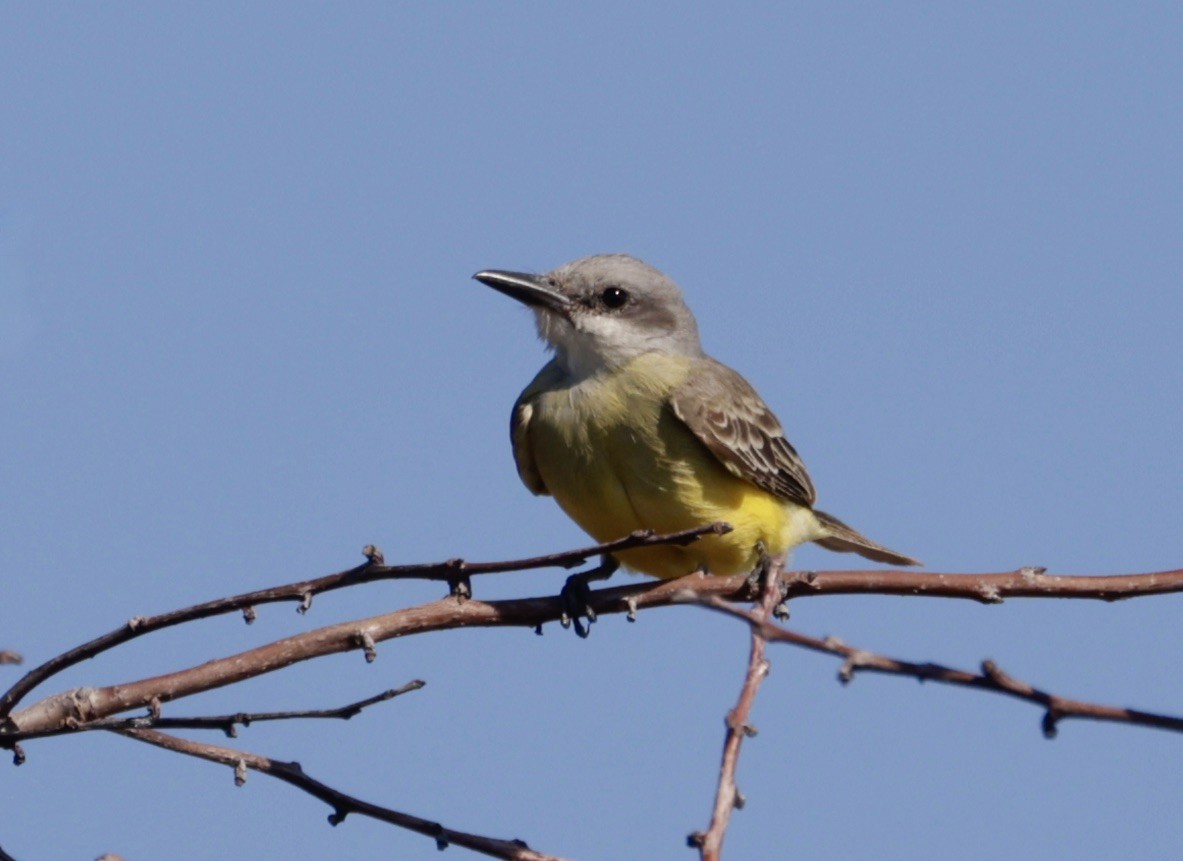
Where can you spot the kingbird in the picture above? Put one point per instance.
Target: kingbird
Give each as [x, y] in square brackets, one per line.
[632, 426]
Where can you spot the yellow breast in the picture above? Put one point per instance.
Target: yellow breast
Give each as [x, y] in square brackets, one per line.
[616, 458]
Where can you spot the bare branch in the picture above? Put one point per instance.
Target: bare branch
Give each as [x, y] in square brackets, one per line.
[83, 705]
[739, 727]
[453, 571]
[991, 678]
[342, 804]
[98, 708]
[1029, 582]
[87, 704]
[228, 724]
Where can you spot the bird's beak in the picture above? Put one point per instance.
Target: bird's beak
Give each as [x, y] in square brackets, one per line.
[532, 290]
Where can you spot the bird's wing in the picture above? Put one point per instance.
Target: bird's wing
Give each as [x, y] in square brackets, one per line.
[727, 415]
[523, 457]
[519, 429]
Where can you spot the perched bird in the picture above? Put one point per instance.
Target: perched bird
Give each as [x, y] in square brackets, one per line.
[632, 426]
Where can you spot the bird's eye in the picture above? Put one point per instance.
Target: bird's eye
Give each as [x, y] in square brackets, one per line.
[614, 297]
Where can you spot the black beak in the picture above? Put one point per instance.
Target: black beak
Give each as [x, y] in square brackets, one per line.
[531, 290]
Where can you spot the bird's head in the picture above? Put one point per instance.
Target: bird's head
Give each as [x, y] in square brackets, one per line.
[599, 312]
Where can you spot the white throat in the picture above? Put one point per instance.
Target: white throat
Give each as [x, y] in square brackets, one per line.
[590, 345]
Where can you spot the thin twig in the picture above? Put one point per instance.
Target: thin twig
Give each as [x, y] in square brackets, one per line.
[302, 592]
[228, 724]
[739, 727]
[991, 678]
[342, 804]
[7, 656]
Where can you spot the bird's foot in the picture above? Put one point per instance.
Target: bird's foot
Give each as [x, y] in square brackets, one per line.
[756, 577]
[767, 568]
[575, 597]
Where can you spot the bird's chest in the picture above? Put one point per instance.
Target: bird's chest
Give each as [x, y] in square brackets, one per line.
[616, 458]
[588, 436]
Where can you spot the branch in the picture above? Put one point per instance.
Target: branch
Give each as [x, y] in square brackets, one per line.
[727, 794]
[991, 678]
[7, 656]
[342, 804]
[226, 723]
[1029, 582]
[453, 571]
[94, 708]
[83, 705]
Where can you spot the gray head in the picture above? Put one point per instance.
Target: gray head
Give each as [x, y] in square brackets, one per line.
[600, 312]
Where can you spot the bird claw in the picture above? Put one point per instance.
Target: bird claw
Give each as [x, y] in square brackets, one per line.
[575, 607]
[575, 597]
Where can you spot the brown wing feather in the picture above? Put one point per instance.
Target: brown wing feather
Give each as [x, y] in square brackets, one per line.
[723, 410]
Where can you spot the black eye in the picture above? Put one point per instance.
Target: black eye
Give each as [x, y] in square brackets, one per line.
[614, 297]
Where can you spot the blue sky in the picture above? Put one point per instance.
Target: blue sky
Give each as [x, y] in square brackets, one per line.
[238, 341]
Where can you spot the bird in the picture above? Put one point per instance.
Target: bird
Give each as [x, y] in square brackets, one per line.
[632, 426]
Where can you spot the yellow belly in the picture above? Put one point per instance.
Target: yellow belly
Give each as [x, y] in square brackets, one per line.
[617, 459]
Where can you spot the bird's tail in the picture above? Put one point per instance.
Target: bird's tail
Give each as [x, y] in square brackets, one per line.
[841, 538]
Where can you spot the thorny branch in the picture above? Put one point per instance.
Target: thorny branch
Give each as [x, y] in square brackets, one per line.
[1029, 582]
[342, 804]
[453, 571]
[96, 708]
[228, 724]
[990, 678]
[727, 794]
[83, 705]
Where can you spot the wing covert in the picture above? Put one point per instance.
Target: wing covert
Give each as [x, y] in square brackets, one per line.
[731, 419]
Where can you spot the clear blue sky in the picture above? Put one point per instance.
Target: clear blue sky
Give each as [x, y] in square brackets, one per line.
[238, 341]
